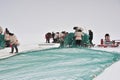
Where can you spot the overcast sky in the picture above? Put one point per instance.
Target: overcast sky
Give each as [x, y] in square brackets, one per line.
[31, 19]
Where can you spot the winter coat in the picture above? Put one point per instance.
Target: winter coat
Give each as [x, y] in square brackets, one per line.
[13, 40]
[7, 37]
[56, 35]
[48, 36]
[78, 35]
[61, 36]
[90, 35]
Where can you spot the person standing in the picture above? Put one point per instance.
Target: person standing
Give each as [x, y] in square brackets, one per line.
[56, 38]
[90, 36]
[107, 37]
[61, 38]
[78, 37]
[53, 36]
[13, 42]
[48, 37]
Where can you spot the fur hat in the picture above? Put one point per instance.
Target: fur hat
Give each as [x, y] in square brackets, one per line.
[11, 34]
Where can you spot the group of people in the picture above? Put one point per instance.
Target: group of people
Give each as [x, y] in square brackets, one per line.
[58, 37]
[78, 38]
[10, 39]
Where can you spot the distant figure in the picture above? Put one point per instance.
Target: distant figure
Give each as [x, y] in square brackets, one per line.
[53, 36]
[90, 36]
[1, 30]
[101, 41]
[61, 38]
[56, 38]
[107, 37]
[47, 37]
[78, 37]
[13, 42]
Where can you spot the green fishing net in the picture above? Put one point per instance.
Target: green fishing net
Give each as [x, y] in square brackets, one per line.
[57, 64]
[2, 41]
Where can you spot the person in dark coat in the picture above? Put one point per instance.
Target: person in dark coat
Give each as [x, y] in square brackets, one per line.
[90, 36]
[48, 37]
[53, 36]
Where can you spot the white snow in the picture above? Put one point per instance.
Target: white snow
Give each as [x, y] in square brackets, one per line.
[4, 53]
[111, 73]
